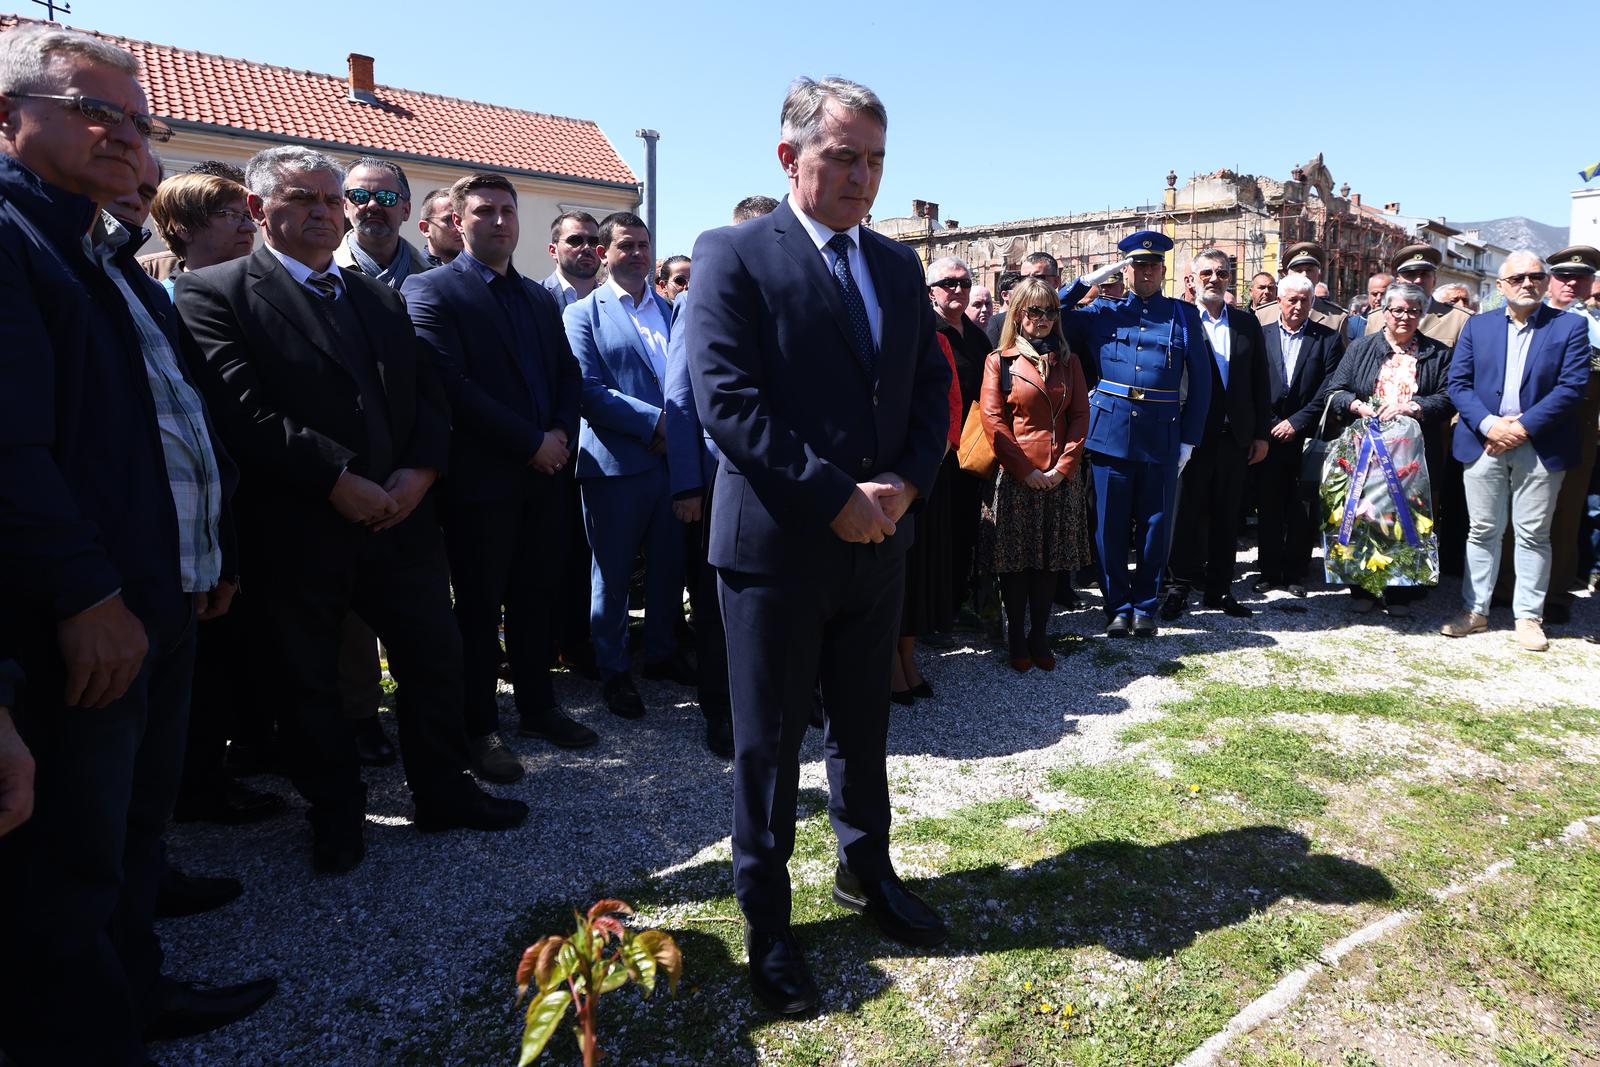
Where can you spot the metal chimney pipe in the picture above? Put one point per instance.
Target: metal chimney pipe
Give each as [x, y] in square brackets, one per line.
[649, 137]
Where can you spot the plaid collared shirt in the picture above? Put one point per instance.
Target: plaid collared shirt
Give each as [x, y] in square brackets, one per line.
[185, 443]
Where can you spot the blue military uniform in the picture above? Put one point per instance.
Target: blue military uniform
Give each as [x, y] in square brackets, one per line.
[1137, 424]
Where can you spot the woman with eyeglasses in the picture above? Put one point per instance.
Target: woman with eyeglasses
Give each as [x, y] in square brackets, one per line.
[204, 219]
[1396, 371]
[1035, 408]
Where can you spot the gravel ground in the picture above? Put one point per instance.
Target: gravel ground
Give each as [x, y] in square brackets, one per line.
[374, 958]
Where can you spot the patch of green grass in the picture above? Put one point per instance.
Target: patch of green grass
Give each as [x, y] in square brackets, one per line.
[1277, 1052]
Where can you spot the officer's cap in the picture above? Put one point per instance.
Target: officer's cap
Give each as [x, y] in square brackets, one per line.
[1146, 246]
[1305, 254]
[1575, 259]
[1416, 257]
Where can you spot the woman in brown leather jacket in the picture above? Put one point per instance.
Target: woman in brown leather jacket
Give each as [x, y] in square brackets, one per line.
[1038, 521]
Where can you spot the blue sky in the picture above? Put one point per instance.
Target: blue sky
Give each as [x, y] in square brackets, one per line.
[1080, 108]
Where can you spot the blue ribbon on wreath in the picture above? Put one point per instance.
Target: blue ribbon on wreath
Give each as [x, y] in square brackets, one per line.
[1358, 478]
[1402, 506]
[1372, 446]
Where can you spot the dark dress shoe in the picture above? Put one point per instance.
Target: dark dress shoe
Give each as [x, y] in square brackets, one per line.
[503, 672]
[1068, 598]
[1228, 606]
[557, 727]
[779, 976]
[182, 894]
[1297, 590]
[1175, 603]
[1045, 661]
[1121, 625]
[1021, 664]
[373, 747]
[466, 807]
[675, 668]
[719, 738]
[904, 697]
[229, 802]
[1144, 625]
[491, 759]
[622, 697]
[922, 690]
[1264, 585]
[900, 914]
[337, 846]
[183, 1009]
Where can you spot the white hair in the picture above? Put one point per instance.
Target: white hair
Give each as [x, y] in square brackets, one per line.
[939, 267]
[1414, 295]
[26, 53]
[1295, 283]
[265, 173]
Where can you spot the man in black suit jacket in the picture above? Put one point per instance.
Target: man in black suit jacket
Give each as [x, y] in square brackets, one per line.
[826, 392]
[1301, 354]
[497, 341]
[1207, 525]
[331, 407]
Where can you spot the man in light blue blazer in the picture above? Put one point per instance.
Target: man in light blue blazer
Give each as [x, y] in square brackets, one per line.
[1517, 378]
[619, 334]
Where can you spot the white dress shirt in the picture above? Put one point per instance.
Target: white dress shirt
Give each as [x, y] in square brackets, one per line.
[821, 235]
[1221, 338]
[302, 274]
[648, 321]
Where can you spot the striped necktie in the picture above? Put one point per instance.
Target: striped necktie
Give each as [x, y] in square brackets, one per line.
[324, 286]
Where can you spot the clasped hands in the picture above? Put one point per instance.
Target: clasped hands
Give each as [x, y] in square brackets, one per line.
[1504, 435]
[1391, 409]
[379, 507]
[872, 510]
[1044, 481]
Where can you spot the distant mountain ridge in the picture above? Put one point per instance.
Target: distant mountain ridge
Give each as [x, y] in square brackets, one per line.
[1517, 232]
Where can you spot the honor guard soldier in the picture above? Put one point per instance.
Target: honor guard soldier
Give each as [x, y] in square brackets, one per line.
[1141, 427]
[1419, 265]
[1308, 258]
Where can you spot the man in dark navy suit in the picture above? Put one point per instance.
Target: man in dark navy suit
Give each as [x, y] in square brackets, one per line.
[1301, 353]
[826, 392]
[498, 344]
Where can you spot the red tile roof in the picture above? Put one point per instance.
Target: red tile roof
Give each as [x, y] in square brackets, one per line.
[299, 105]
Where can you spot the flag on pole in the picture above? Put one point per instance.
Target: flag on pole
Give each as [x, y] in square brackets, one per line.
[1588, 173]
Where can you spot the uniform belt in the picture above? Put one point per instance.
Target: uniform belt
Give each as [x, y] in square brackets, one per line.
[1136, 392]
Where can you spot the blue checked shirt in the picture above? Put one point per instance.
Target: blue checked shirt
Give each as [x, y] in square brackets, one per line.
[185, 443]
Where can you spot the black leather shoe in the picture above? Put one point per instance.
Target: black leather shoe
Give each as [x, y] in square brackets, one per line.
[491, 759]
[1144, 625]
[622, 697]
[338, 845]
[1175, 603]
[779, 976]
[900, 914]
[903, 697]
[188, 894]
[557, 727]
[922, 690]
[231, 803]
[675, 668]
[719, 738]
[1067, 597]
[1264, 585]
[466, 807]
[1228, 606]
[1121, 625]
[183, 1009]
[1297, 590]
[373, 747]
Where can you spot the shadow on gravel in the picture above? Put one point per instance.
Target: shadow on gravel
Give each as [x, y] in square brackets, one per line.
[1136, 901]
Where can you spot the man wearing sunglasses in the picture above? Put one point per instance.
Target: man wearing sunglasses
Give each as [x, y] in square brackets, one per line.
[440, 237]
[575, 246]
[1517, 378]
[377, 202]
[110, 548]
[1419, 265]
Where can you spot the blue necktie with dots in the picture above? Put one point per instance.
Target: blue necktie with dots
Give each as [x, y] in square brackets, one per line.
[854, 306]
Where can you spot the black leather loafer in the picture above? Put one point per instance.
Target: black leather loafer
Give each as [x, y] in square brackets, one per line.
[779, 976]
[1228, 606]
[183, 1009]
[1144, 626]
[1121, 625]
[900, 914]
[557, 727]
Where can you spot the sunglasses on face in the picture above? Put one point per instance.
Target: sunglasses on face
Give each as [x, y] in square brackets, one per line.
[1219, 273]
[1033, 312]
[952, 284]
[578, 240]
[681, 281]
[363, 197]
[105, 113]
[1531, 276]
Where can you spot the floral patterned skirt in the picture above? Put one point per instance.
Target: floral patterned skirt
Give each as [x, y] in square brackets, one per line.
[1026, 529]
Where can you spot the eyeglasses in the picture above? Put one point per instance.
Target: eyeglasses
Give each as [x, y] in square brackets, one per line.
[681, 281]
[1035, 312]
[446, 222]
[1404, 313]
[238, 218]
[952, 284]
[1531, 276]
[1220, 272]
[107, 114]
[578, 240]
[363, 197]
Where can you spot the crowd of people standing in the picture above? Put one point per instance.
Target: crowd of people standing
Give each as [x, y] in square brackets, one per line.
[231, 469]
